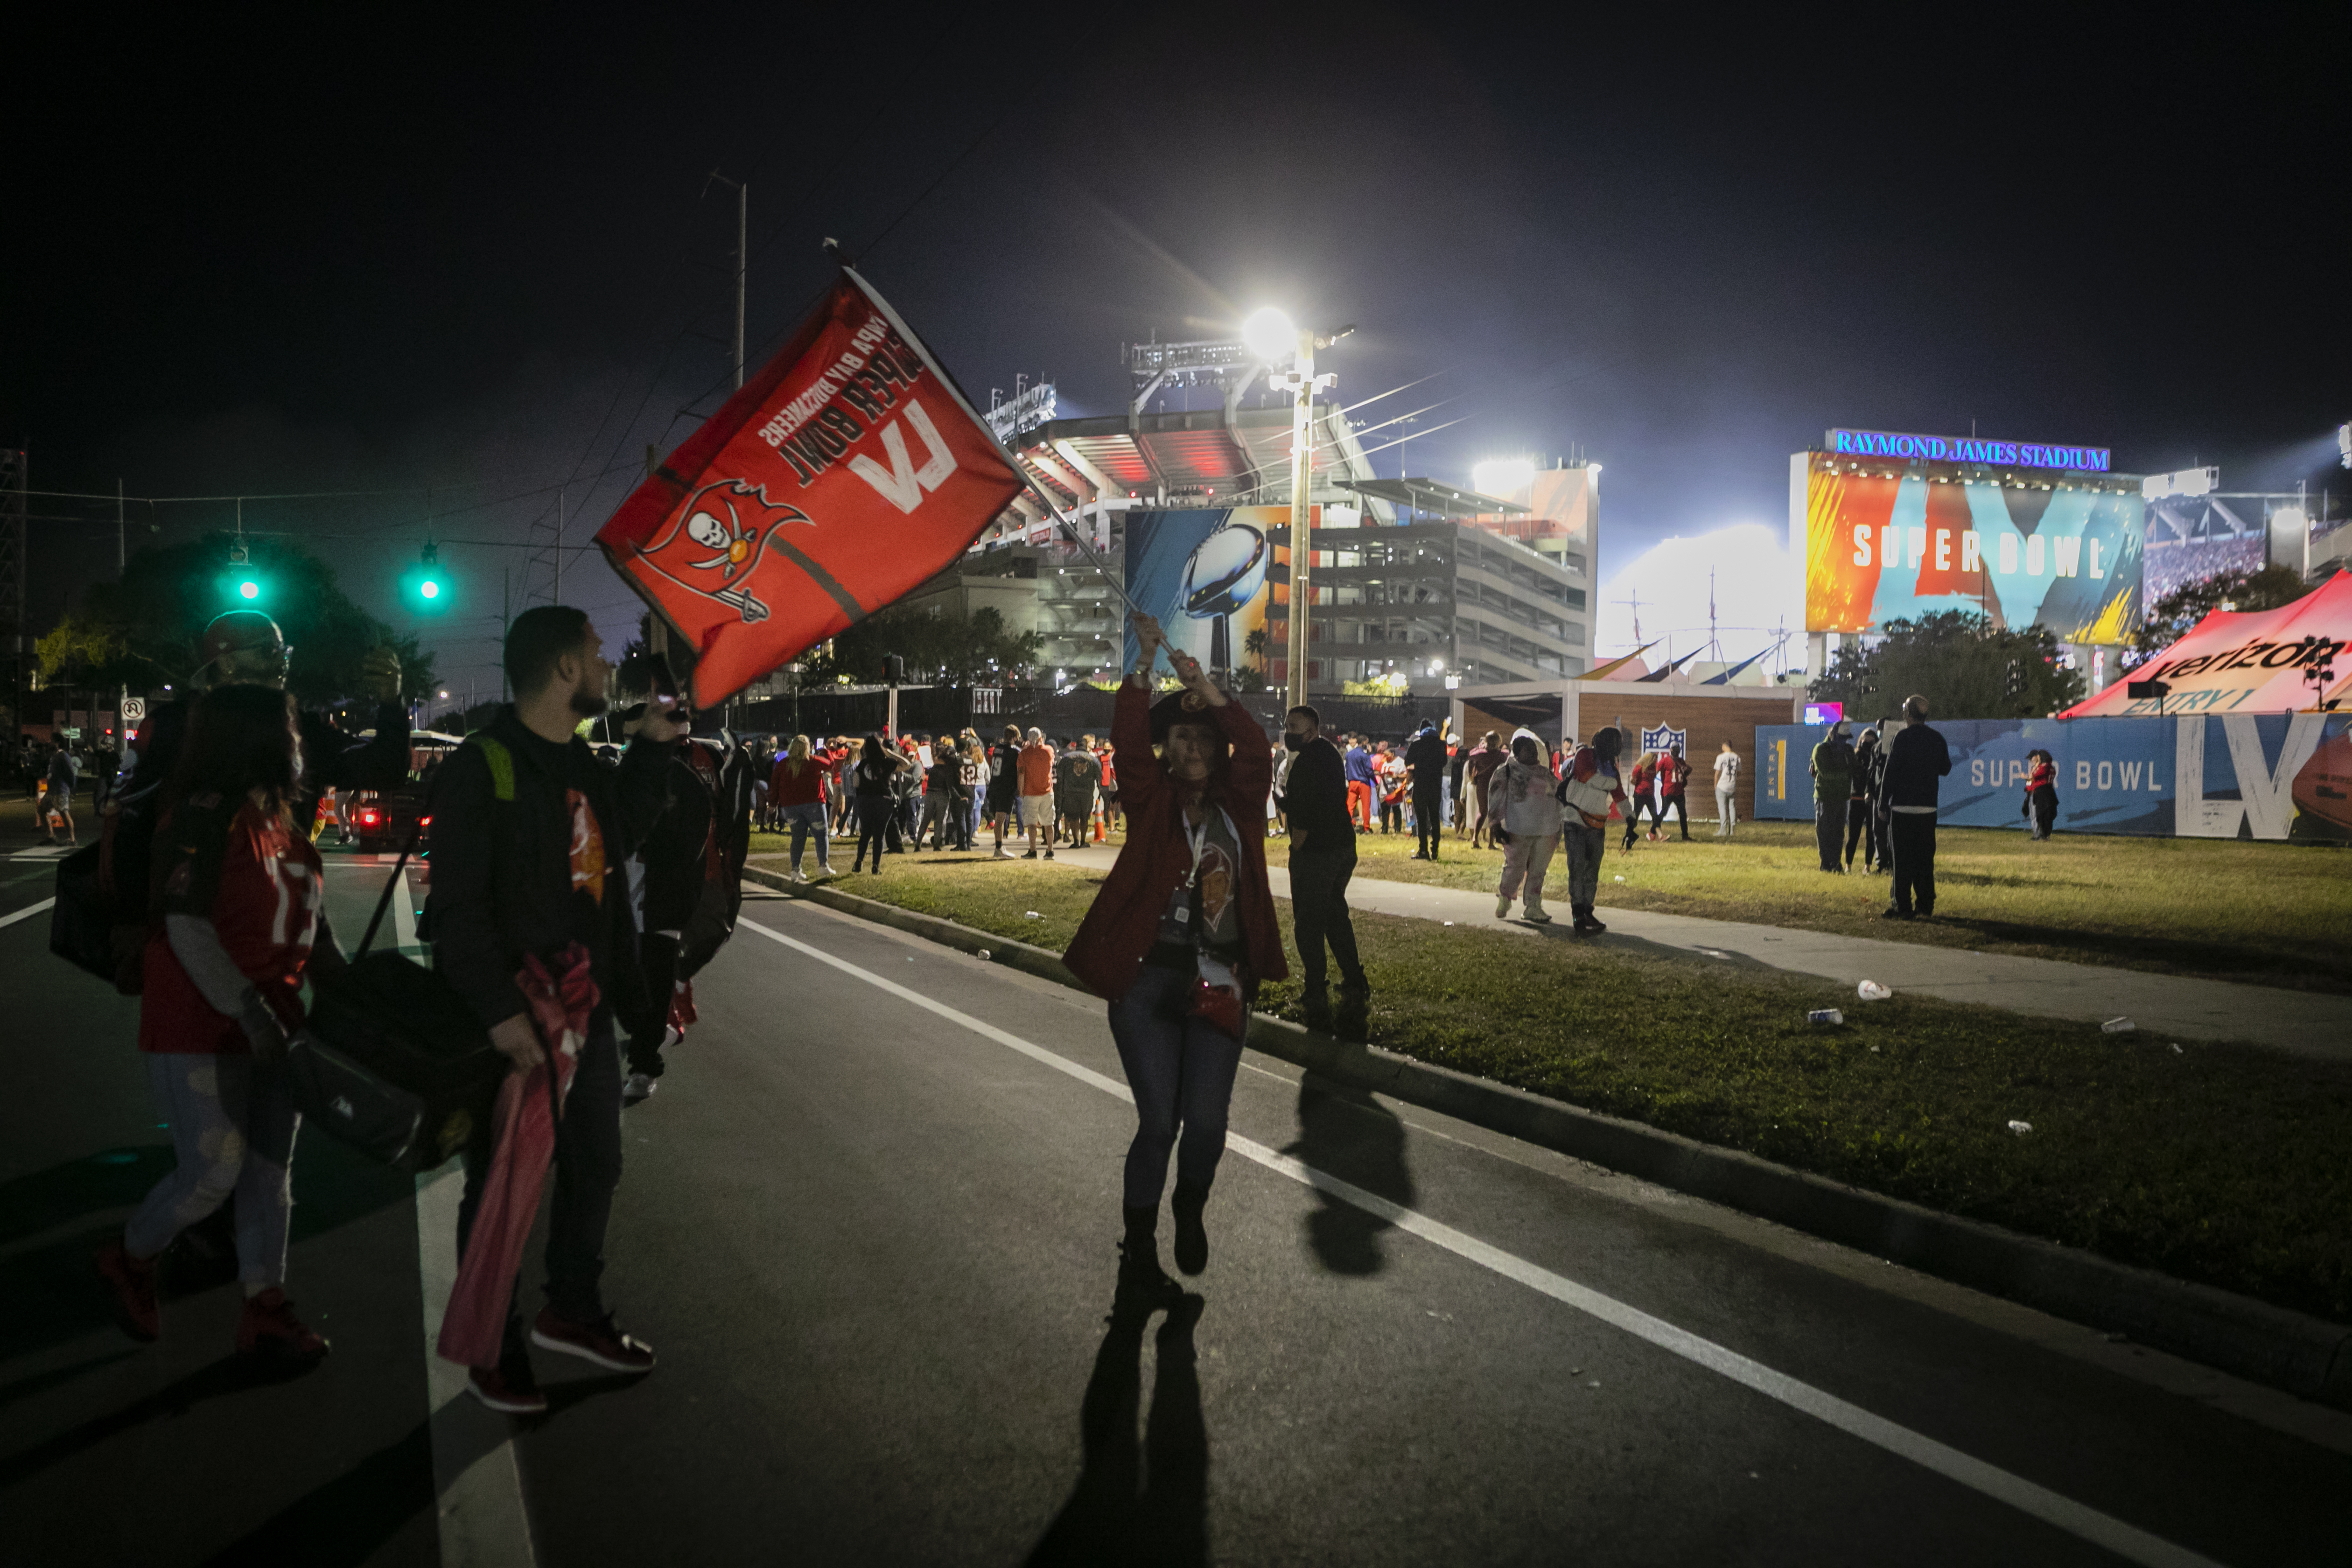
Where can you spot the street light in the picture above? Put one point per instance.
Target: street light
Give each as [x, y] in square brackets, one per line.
[1269, 335]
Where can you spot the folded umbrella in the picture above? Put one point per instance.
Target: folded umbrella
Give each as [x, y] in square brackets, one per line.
[473, 1329]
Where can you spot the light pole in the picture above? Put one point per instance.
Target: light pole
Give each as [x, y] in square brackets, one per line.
[1270, 335]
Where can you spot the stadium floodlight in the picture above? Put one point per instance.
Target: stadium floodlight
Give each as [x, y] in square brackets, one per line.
[1503, 477]
[1269, 334]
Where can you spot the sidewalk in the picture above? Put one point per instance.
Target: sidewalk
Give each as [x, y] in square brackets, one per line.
[2300, 1023]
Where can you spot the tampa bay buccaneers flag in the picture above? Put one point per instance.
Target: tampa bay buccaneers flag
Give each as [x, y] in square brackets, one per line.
[848, 470]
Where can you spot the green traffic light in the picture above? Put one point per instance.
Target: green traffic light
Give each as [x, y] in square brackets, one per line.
[429, 589]
[248, 589]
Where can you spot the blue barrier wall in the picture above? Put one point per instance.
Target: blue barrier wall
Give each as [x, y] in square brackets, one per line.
[2219, 776]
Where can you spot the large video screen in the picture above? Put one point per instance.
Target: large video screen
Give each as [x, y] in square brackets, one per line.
[1877, 549]
[1207, 576]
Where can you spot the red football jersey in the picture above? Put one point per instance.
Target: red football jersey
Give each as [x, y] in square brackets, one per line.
[259, 883]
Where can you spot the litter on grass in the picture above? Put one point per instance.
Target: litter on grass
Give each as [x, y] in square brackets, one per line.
[2177, 1050]
[983, 955]
[1871, 991]
[2020, 1128]
[1825, 1016]
[2117, 1027]
[1620, 879]
[1035, 915]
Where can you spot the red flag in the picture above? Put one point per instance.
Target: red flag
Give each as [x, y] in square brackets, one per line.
[848, 470]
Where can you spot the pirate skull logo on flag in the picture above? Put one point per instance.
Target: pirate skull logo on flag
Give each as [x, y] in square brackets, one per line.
[718, 542]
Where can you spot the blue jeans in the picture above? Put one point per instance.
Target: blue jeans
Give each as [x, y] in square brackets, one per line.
[233, 1127]
[1182, 1069]
[806, 820]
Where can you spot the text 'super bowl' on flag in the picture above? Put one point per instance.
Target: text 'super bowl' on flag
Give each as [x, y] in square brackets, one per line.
[841, 475]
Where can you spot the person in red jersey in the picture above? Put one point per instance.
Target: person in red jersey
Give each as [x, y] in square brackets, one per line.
[241, 917]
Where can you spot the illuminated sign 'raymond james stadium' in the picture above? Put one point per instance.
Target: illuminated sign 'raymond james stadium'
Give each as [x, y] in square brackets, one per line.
[1967, 449]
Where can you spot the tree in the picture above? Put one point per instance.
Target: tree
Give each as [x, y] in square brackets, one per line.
[937, 646]
[168, 595]
[2172, 616]
[1254, 645]
[1960, 663]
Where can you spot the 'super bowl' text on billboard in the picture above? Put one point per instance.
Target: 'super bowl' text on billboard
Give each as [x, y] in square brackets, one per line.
[1879, 543]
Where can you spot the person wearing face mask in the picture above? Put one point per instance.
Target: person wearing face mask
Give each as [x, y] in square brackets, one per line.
[1322, 860]
[1588, 788]
[1519, 798]
[529, 832]
[1178, 940]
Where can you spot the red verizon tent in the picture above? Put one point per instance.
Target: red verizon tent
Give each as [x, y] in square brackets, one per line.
[2249, 661]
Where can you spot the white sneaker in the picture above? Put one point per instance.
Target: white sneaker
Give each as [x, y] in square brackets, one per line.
[639, 1087]
[1534, 913]
[800, 876]
[1502, 908]
[1001, 855]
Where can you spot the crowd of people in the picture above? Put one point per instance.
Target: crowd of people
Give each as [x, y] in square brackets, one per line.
[51, 772]
[570, 882]
[1879, 792]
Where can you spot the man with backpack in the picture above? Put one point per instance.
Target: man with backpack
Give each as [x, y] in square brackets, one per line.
[529, 832]
[692, 866]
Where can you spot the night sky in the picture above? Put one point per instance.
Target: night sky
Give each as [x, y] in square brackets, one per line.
[471, 262]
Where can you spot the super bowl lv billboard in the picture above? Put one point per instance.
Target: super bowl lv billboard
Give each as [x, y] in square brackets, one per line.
[1881, 542]
[1204, 575]
[2253, 776]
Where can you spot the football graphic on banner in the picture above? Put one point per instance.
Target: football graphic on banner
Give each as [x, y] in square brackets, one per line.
[848, 470]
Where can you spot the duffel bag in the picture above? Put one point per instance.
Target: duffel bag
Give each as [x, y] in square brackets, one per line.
[81, 922]
[391, 1059]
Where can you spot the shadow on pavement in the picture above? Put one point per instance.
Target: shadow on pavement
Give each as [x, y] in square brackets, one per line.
[1139, 1502]
[1345, 1132]
[55, 1295]
[343, 1521]
[42, 1381]
[226, 1376]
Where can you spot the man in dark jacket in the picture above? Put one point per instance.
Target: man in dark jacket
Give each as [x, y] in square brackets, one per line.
[529, 836]
[1832, 771]
[1315, 799]
[691, 863]
[1426, 757]
[1916, 758]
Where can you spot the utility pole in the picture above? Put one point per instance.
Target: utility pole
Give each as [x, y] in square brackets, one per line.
[1302, 470]
[742, 256]
[121, 556]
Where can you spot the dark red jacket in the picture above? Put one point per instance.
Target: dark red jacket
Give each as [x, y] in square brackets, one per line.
[1124, 921]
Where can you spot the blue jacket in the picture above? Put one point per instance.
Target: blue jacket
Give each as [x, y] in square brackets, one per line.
[1360, 766]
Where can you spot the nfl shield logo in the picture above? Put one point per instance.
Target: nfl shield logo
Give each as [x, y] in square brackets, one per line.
[1664, 738]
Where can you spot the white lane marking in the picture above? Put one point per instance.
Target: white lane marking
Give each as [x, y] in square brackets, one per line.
[478, 1490]
[2051, 1508]
[476, 1486]
[404, 920]
[27, 912]
[46, 852]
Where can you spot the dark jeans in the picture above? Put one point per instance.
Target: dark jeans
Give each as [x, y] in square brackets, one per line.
[1584, 848]
[1913, 842]
[1319, 907]
[877, 820]
[587, 1172]
[1829, 818]
[1860, 827]
[657, 958]
[1428, 820]
[1634, 818]
[2045, 812]
[1680, 807]
[1182, 1069]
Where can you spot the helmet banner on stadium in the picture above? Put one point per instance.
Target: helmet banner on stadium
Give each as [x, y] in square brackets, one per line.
[845, 472]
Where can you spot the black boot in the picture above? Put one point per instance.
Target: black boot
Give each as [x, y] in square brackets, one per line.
[1141, 1280]
[1316, 1003]
[1192, 1237]
[1355, 1019]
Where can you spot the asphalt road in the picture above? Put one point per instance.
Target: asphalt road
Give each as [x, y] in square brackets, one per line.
[869, 1223]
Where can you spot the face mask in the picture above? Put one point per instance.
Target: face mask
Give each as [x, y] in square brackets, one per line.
[1294, 742]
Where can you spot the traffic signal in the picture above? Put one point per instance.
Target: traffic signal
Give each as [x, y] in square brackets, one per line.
[893, 669]
[241, 584]
[427, 587]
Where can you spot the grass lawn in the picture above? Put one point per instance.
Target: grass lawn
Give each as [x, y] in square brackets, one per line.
[2217, 1164]
[2273, 913]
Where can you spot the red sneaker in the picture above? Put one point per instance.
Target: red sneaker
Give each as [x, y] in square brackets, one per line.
[517, 1395]
[598, 1341]
[269, 1330]
[134, 1290]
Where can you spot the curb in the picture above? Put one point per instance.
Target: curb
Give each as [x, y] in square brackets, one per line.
[2305, 1356]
